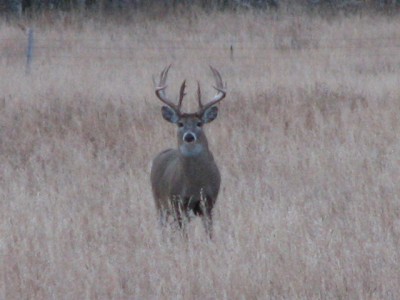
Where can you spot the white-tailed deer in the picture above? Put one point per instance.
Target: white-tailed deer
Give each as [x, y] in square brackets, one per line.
[185, 181]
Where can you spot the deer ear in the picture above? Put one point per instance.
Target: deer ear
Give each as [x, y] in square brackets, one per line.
[169, 114]
[210, 114]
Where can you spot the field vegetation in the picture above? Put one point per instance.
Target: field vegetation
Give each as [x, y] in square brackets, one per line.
[307, 141]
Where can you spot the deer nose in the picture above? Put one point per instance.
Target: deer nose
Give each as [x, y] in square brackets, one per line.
[189, 137]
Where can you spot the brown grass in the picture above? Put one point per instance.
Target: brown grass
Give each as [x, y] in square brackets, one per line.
[307, 142]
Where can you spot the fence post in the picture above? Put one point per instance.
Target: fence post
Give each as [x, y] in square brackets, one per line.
[29, 51]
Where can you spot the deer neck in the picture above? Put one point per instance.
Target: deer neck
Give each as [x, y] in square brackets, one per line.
[197, 169]
[195, 157]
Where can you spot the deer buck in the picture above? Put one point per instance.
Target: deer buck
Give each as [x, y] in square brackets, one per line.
[185, 181]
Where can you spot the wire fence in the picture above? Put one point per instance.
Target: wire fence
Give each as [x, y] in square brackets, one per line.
[333, 43]
[37, 47]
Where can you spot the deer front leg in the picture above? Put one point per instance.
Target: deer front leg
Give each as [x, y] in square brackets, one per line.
[206, 205]
[207, 222]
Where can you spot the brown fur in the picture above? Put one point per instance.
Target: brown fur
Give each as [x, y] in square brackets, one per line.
[183, 185]
[185, 181]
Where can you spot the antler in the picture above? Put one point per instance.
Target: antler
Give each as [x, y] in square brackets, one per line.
[160, 90]
[220, 87]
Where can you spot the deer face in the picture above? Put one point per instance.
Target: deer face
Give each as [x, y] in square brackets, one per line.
[191, 138]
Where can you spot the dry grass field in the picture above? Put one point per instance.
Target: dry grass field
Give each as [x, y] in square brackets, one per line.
[308, 143]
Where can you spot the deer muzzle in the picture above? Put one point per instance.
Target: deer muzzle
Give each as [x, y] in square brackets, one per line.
[189, 137]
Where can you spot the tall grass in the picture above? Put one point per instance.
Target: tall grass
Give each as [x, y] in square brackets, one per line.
[307, 142]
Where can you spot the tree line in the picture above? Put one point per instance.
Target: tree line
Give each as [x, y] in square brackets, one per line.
[20, 7]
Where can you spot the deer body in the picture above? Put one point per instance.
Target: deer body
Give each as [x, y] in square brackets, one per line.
[185, 181]
[181, 183]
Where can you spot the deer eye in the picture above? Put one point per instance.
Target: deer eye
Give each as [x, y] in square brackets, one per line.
[199, 124]
[180, 124]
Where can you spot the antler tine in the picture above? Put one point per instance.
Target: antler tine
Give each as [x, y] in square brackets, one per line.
[199, 95]
[163, 76]
[220, 87]
[160, 90]
[217, 77]
[181, 94]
